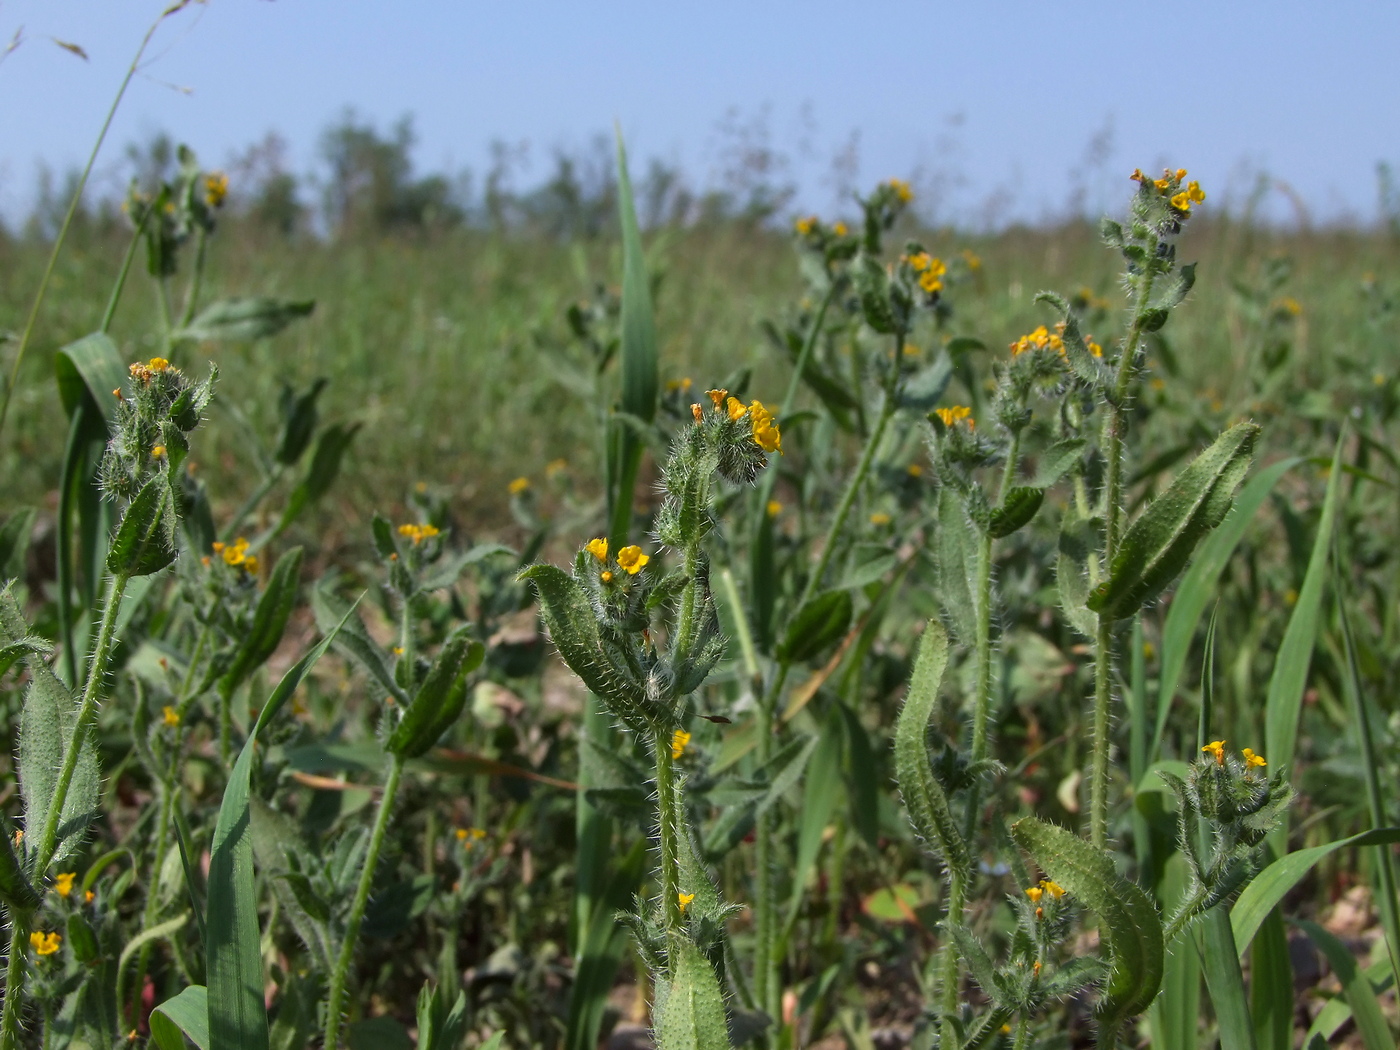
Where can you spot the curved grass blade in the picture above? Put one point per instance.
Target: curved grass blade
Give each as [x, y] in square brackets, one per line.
[1370, 1020]
[187, 1013]
[233, 957]
[1225, 981]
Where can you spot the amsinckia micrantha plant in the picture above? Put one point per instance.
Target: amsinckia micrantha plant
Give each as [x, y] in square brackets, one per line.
[605, 619]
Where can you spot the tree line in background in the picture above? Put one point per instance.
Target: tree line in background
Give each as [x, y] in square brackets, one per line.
[366, 183]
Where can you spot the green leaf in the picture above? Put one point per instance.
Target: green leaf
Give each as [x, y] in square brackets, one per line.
[440, 698]
[690, 1015]
[232, 947]
[1175, 293]
[1016, 511]
[1370, 1020]
[1159, 543]
[957, 566]
[353, 641]
[1225, 982]
[818, 624]
[47, 723]
[1077, 538]
[145, 539]
[14, 541]
[1198, 585]
[1057, 460]
[15, 889]
[299, 417]
[245, 319]
[1272, 884]
[1131, 927]
[87, 372]
[186, 1013]
[1289, 680]
[873, 286]
[321, 471]
[819, 797]
[1271, 986]
[1176, 1013]
[979, 963]
[269, 621]
[924, 799]
[569, 616]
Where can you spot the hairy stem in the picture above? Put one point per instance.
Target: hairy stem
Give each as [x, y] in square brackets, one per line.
[14, 983]
[336, 997]
[668, 831]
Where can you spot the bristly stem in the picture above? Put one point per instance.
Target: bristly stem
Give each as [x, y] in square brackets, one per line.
[336, 997]
[1114, 427]
[14, 983]
[668, 830]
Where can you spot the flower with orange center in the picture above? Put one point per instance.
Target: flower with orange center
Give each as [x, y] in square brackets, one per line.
[1216, 748]
[1251, 759]
[956, 414]
[632, 559]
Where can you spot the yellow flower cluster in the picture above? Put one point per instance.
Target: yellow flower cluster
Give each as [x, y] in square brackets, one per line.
[930, 270]
[765, 428]
[901, 190]
[45, 943]
[806, 225]
[1169, 185]
[518, 486]
[418, 533]
[683, 899]
[1040, 339]
[236, 555]
[143, 372]
[63, 883]
[679, 739]
[170, 716]
[956, 414]
[215, 188]
[469, 837]
[1043, 887]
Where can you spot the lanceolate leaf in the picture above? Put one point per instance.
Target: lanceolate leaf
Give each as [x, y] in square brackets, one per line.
[145, 540]
[188, 1012]
[1159, 543]
[818, 624]
[923, 795]
[1016, 510]
[1131, 927]
[569, 617]
[245, 319]
[47, 722]
[441, 697]
[269, 621]
[1077, 538]
[957, 566]
[692, 1014]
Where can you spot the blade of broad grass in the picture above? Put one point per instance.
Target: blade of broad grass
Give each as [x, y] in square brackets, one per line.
[233, 956]
[1338, 1011]
[1273, 883]
[1366, 744]
[1370, 1020]
[1271, 985]
[1198, 585]
[1290, 676]
[819, 797]
[1175, 1016]
[188, 1012]
[638, 358]
[1221, 963]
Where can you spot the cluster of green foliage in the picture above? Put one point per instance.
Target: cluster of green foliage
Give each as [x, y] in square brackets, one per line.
[906, 672]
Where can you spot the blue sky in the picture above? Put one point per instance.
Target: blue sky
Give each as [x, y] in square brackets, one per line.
[994, 106]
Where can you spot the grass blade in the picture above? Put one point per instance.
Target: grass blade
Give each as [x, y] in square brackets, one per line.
[1176, 1013]
[1290, 677]
[188, 1012]
[1370, 1021]
[233, 957]
[1221, 962]
[1271, 985]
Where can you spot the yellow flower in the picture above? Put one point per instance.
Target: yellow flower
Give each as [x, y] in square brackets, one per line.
[839, 228]
[250, 565]
[1292, 305]
[63, 883]
[1036, 340]
[215, 188]
[717, 396]
[919, 261]
[598, 547]
[1034, 893]
[1180, 174]
[930, 281]
[170, 716]
[1251, 759]
[1162, 184]
[418, 533]
[683, 899]
[774, 508]
[915, 471]
[735, 408]
[632, 559]
[765, 428]
[235, 553]
[806, 225]
[956, 414]
[1094, 347]
[159, 450]
[88, 895]
[1216, 748]
[880, 518]
[518, 486]
[973, 260]
[158, 364]
[1181, 202]
[45, 943]
[1138, 176]
[558, 466]
[606, 577]
[1194, 191]
[901, 190]
[679, 739]
[1053, 888]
